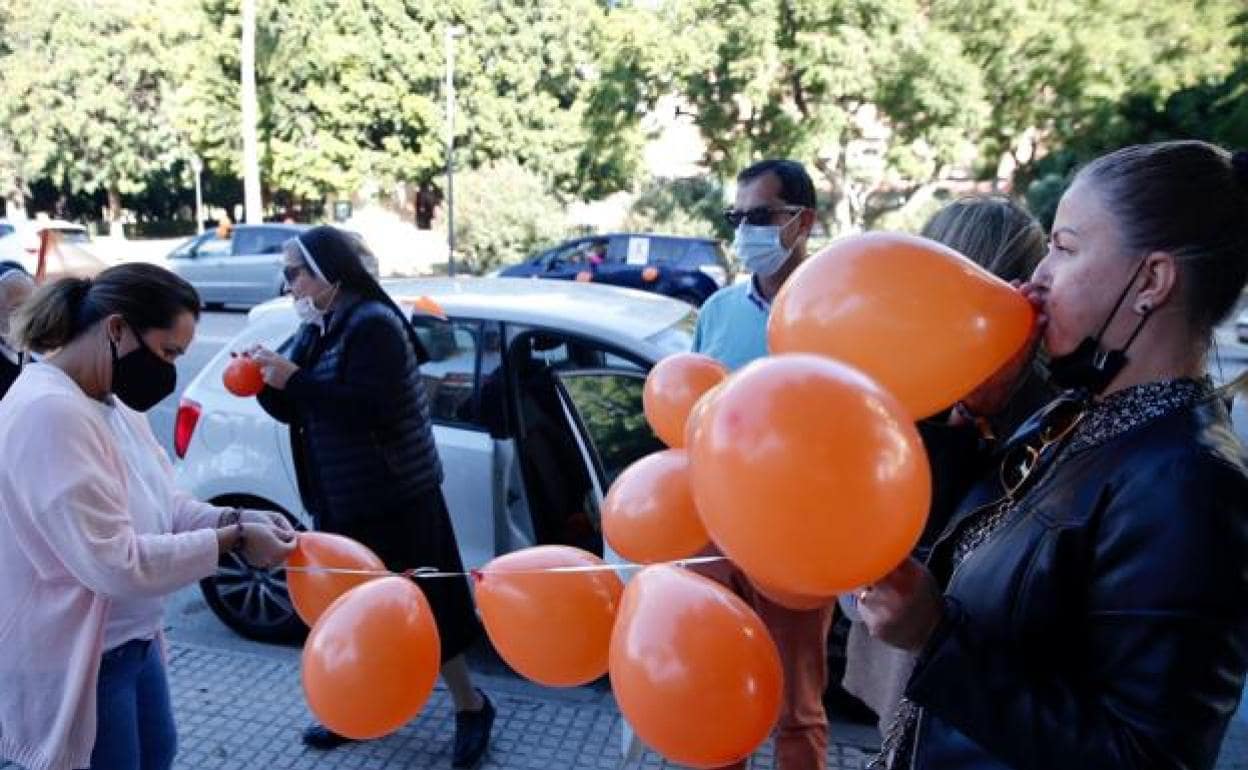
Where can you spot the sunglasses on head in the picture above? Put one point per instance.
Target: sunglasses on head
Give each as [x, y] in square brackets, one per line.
[1021, 460]
[758, 216]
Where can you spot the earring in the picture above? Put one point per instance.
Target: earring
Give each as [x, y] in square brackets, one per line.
[1143, 308]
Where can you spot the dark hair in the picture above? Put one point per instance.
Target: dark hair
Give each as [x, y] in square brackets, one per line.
[340, 256]
[993, 231]
[1190, 199]
[146, 296]
[796, 187]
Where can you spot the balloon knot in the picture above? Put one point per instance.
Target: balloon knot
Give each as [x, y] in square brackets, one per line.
[477, 575]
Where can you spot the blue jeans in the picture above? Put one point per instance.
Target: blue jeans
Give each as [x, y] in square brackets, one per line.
[134, 718]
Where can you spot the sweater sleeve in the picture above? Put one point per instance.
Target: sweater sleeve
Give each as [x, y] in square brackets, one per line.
[188, 514]
[75, 501]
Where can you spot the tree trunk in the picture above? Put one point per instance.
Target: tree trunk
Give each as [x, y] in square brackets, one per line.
[115, 228]
[251, 151]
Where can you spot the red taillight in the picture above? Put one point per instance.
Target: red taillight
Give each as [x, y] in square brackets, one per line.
[188, 416]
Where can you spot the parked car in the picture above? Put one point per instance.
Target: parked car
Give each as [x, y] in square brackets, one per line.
[243, 268]
[1241, 327]
[688, 269]
[535, 390]
[19, 241]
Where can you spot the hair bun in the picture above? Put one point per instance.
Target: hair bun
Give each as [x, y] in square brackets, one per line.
[1239, 164]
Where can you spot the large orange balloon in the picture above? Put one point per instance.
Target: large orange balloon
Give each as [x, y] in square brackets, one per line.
[552, 627]
[693, 669]
[673, 387]
[700, 407]
[371, 660]
[649, 515]
[922, 320]
[313, 592]
[809, 476]
[791, 600]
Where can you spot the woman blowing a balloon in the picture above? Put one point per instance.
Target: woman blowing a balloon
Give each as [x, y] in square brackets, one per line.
[1087, 604]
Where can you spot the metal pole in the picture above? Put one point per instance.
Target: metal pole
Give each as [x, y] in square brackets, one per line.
[451, 32]
[197, 167]
[251, 152]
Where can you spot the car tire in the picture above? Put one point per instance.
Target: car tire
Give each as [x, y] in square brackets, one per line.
[253, 602]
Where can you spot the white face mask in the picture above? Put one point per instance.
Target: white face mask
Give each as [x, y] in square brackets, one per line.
[760, 248]
[308, 312]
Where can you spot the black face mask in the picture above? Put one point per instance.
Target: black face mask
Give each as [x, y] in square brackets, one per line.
[141, 379]
[1090, 367]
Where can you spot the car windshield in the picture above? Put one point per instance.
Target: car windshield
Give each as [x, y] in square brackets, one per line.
[677, 338]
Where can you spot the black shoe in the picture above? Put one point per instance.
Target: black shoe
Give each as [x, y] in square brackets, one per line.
[318, 736]
[472, 734]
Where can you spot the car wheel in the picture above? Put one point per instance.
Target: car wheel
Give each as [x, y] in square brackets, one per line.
[253, 602]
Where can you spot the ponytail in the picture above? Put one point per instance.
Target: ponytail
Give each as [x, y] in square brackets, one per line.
[49, 320]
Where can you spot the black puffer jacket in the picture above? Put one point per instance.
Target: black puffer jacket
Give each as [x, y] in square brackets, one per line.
[359, 416]
[1105, 624]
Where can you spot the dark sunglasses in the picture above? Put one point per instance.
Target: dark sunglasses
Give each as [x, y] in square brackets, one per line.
[1021, 460]
[759, 216]
[291, 272]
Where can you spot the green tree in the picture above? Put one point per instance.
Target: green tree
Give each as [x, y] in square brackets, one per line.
[503, 212]
[693, 206]
[866, 91]
[85, 97]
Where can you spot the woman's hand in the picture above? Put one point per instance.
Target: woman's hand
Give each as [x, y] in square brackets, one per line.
[904, 608]
[266, 546]
[993, 396]
[274, 367]
[271, 518]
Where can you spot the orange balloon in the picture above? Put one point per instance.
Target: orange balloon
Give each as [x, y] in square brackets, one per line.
[552, 627]
[584, 276]
[649, 515]
[371, 660]
[925, 322]
[700, 408]
[313, 592]
[810, 476]
[693, 669]
[791, 600]
[243, 377]
[673, 387]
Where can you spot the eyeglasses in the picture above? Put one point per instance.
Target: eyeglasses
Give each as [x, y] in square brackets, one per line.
[1021, 460]
[758, 216]
[291, 272]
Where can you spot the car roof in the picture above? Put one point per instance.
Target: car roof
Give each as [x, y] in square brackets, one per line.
[665, 236]
[41, 224]
[592, 309]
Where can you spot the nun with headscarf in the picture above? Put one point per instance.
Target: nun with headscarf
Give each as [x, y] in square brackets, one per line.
[348, 385]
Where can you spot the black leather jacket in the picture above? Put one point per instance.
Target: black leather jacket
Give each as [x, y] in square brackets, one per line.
[1105, 624]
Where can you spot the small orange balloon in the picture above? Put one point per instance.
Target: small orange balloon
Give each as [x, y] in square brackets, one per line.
[584, 276]
[809, 476]
[523, 603]
[313, 592]
[673, 387]
[693, 669]
[650, 274]
[243, 377]
[370, 663]
[926, 323]
[649, 515]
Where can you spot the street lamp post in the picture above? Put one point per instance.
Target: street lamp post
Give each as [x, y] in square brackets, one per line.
[452, 32]
[197, 167]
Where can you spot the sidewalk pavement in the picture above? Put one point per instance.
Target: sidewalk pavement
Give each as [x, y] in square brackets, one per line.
[243, 711]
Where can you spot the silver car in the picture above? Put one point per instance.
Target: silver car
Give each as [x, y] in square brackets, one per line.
[244, 268]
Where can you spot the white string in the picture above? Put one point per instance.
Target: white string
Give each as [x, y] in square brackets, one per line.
[434, 572]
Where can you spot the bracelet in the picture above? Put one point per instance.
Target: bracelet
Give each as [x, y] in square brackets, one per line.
[233, 517]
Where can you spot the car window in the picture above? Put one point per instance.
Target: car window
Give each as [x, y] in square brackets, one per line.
[6, 230]
[638, 250]
[259, 240]
[451, 373]
[610, 409]
[213, 246]
[72, 235]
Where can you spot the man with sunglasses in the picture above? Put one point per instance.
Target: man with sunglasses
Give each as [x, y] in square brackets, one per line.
[773, 213]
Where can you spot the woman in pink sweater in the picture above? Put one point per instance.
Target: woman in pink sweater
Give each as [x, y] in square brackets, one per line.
[93, 533]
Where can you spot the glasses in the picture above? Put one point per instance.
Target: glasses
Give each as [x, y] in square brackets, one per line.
[758, 216]
[1021, 460]
[291, 273]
